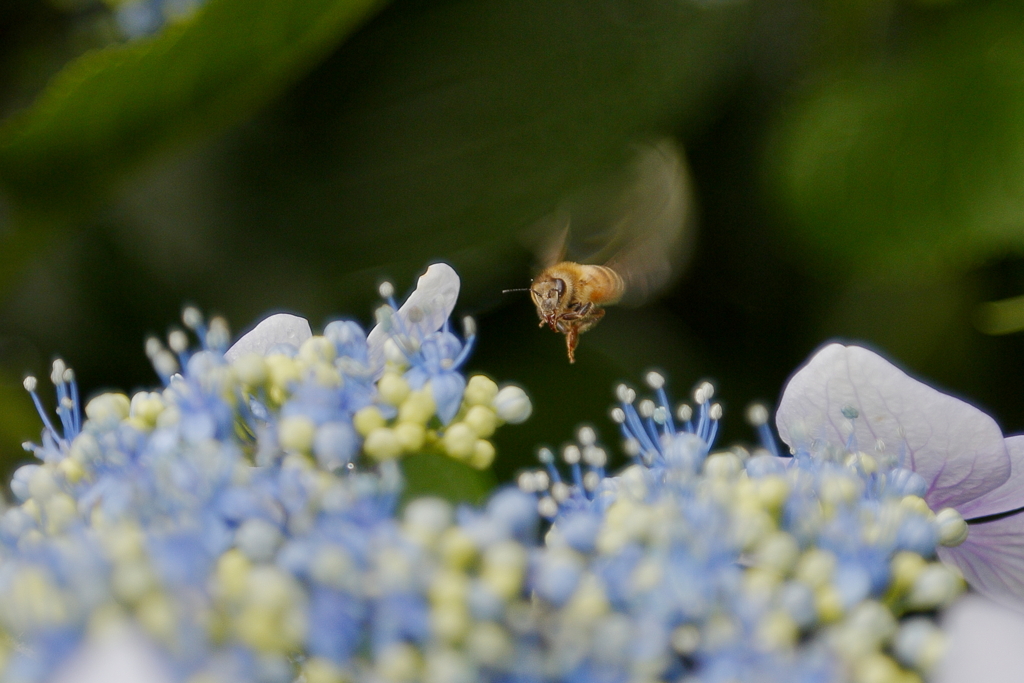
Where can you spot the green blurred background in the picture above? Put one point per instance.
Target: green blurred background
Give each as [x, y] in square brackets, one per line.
[857, 168]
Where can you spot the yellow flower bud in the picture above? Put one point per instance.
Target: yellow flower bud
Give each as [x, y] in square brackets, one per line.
[146, 407]
[399, 663]
[839, 489]
[131, 581]
[480, 391]
[459, 440]
[503, 567]
[777, 631]
[31, 508]
[724, 464]
[877, 668]
[156, 614]
[411, 435]
[483, 420]
[368, 419]
[772, 492]
[326, 375]
[829, 603]
[250, 369]
[72, 470]
[905, 568]
[282, 369]
[778, 551]
[316, 350]
[953, 529]
[489, 643]
[449, 587]
[589, 602]
[418, 407]
[85, 448]
[815, 567]
[61, 510]
[393, 389]
[382, 444]
[483, 454]
[258, 627]
[233, 574]
[108, 407]
[450, 622]
[295, 433]
[916, 504]
[457, 548]
[322, 670]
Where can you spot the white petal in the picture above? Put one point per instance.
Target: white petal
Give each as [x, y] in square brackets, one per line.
[984, 643]
[423, 313]
[958, 449]
[120, 655]
[280, 328]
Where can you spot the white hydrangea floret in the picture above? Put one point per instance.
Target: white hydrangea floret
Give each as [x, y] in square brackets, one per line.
[513, 405]
[280, 328]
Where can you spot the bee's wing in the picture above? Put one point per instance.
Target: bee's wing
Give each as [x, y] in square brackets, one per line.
[637, 223]
[552, 237]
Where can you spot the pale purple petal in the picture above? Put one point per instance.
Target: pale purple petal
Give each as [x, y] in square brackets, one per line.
[423, 313]
[983, 643]
[992, 558]
[121, 655]
[281, 328]
[957, 448]
[1009, 496]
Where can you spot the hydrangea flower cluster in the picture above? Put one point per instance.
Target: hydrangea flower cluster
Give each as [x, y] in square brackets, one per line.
[245, 516]
[736, 565]
[849, 397]
[242, 524]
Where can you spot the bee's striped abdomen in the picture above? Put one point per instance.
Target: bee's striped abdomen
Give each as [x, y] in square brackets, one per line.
[606, 286]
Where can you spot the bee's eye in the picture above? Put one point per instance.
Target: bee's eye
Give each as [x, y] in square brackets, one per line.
[559, 286]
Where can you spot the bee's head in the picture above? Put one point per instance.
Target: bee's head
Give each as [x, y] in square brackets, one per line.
[548, 294]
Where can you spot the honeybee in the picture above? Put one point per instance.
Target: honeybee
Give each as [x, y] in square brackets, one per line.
[634, 227]
[569, 296]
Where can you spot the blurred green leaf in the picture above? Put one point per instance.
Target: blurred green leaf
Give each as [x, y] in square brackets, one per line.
[111, 109]
[430, 474]
[444, 130]
[919, 156]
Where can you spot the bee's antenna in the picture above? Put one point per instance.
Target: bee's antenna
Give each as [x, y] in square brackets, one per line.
[521, 289]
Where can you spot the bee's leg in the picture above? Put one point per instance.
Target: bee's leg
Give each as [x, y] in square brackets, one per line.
[591, 319]
[572, 336]
[578, 325]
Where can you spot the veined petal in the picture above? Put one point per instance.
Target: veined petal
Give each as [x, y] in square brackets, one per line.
[280, 328]
[423, 313]
[1009, 496]
[983, 643]
[958, 449]
[992, 558]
